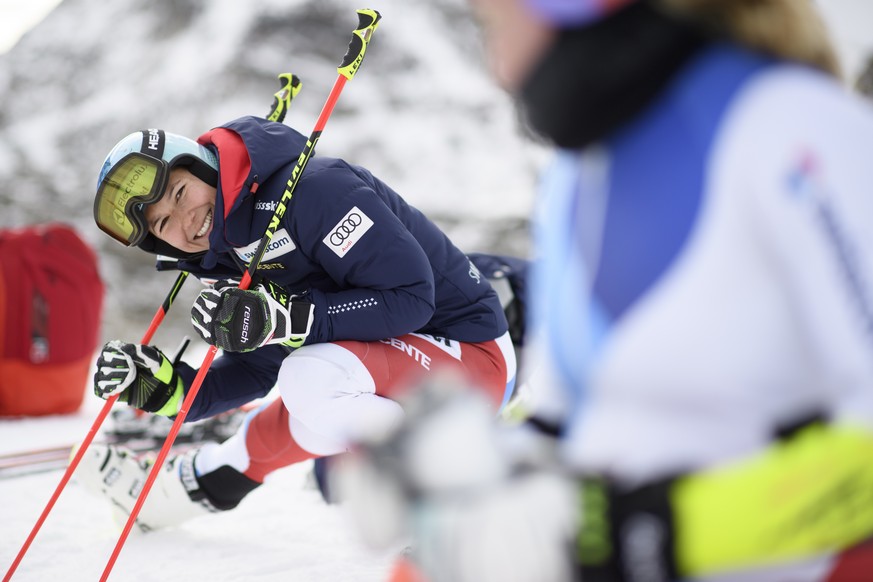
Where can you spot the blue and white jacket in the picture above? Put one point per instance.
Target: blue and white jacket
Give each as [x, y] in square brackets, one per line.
[708, 270]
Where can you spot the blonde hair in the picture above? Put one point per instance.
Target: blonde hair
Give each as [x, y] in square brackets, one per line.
[788, 29]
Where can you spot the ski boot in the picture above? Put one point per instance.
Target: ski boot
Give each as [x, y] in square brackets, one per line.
[118, 474]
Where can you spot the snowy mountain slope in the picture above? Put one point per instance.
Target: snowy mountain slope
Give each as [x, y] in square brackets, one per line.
[421, 114]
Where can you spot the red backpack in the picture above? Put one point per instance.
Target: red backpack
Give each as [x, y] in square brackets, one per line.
[51, 298]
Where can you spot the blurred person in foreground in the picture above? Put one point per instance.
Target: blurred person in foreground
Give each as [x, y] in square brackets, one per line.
[702, 300]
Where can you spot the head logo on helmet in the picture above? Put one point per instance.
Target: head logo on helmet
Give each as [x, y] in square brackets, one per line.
[154, 140]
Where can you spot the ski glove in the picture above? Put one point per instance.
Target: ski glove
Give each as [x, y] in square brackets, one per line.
[141, 375]
[238, 320]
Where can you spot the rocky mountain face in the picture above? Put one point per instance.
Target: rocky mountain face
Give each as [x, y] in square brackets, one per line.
[422, 114]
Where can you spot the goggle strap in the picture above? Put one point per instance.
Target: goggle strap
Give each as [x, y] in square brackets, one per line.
[153, 141]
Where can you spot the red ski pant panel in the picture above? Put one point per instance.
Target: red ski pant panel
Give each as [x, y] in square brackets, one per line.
[269, 442]
[854, 564]
[335, 393]
[340, 392]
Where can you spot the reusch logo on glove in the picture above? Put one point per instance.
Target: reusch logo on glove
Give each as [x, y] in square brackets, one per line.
[347, 232]
[247, 318]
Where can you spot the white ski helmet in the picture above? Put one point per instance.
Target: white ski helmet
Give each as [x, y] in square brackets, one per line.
[135, 175]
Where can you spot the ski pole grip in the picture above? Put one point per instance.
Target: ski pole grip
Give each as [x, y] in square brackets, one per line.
[289, 86]
[368, 20]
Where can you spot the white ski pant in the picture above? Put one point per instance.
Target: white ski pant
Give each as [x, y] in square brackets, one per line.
[335, 393]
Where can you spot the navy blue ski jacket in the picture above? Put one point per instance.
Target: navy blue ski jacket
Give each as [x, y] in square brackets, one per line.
[373, 266]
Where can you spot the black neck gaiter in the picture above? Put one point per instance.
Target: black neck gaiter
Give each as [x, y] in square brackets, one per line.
[596, 78]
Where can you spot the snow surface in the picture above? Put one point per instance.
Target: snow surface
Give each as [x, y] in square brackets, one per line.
[281, 531]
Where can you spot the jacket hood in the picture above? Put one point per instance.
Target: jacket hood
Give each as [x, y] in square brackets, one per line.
[250, 151]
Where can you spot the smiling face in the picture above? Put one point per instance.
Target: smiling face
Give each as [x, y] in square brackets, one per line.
[183, 217]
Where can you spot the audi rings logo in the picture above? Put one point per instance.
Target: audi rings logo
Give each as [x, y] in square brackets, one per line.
[348, 231]
[345, 229]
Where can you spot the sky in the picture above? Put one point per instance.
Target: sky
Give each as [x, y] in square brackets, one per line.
[17, 17]
[850, 22]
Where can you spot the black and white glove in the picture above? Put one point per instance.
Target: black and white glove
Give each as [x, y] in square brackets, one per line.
[238, 320]
[142, 376]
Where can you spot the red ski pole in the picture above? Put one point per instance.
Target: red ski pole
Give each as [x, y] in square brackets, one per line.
[288, 89]
[156, 321]
[367, 22]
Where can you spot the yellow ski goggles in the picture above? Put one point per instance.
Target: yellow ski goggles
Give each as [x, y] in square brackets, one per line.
[134, 182]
